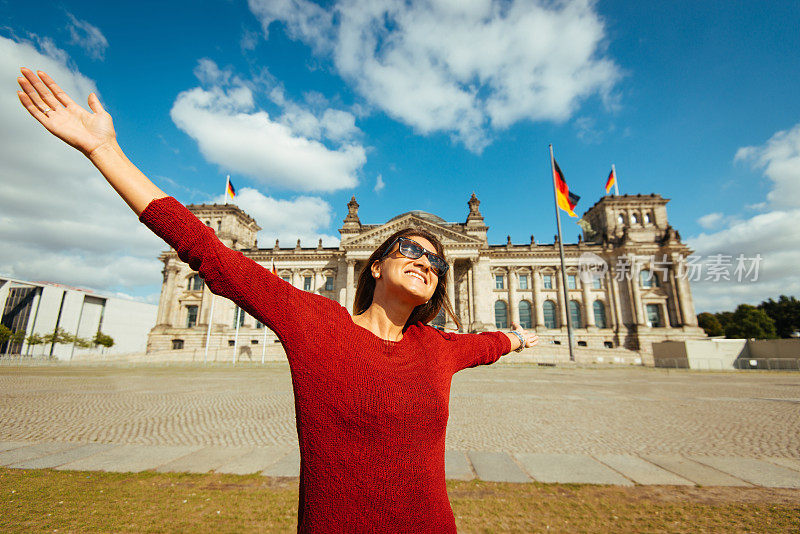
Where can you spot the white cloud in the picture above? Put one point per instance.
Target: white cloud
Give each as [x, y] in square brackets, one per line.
[287, 220]
[379, 184]
[709, 221]
[289, 151]
[59, 219]
[88, 37]
[779, 159]
[463, 67]
[772, 235]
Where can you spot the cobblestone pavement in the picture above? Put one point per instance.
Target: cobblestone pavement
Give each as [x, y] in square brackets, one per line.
[507, 408]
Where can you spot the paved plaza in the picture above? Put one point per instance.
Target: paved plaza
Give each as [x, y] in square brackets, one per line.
[514, 423]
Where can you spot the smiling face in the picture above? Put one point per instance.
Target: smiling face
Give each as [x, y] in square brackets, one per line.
[412, 280]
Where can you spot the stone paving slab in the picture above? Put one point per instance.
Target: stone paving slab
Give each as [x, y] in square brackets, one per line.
[287, 466]
[204, 460]
[33, 450]
[456, 466]
[496, 467]
[698, 473]
[641, 471]
[569, 469]
[8, 445]
[130, 458]
[791, 463]
[254, 461]
[758, 472]
[63, 457]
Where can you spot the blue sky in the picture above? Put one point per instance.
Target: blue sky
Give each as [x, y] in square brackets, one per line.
[307, 104]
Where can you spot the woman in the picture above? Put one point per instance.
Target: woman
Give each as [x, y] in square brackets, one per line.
[371, 391]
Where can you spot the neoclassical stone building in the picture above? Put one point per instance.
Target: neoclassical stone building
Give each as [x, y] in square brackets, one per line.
[640, 298]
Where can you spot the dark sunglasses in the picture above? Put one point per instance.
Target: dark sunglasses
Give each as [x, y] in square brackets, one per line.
[412, 250]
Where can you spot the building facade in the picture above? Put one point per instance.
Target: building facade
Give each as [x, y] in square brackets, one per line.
[42, 308]
[625, 278]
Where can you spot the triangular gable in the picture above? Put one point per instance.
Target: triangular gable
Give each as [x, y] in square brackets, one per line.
[374, 237]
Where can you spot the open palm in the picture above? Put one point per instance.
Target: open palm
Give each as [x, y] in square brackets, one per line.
[61, 116]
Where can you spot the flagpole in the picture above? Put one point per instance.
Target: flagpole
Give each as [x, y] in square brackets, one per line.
[208, 330]
[264, 344]
[616, 190]
[561, 254]
[227, 182]
[236, 337]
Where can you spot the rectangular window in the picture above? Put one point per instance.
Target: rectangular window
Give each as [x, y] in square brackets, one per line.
[547, 281]
[597, 283]
[307, 283]
[571, 282]
[523, 281]
[254, 342]
[498, 281]
[259, 324]
[654, 315]
[177, 344]
[328, 283]
[238, 313]
[191, 316]
[287, 279]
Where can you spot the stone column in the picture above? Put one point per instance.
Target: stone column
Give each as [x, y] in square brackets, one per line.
[685, 297]
[471, 294]
[536, 280]
[513, 309]
[167, 295]
[174, 312]
[484, 301]
[296, 281]
[667, 321]
[451, 294]
[675, 300]
[319, 281]
[351, 284]
[636, 295]
[613, 313]
[562, 306]
[588, 314]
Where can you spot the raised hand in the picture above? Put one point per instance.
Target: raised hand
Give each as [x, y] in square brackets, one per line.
[61, 116]
[531, 339]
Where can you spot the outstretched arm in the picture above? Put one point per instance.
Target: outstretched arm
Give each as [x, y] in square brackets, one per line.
[530, 338]
[90, 132]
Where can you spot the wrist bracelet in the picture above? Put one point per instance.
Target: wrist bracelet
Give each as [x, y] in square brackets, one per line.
[521, 341]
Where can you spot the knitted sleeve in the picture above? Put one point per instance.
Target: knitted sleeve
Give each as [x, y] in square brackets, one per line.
[470, 350]
[227, 273]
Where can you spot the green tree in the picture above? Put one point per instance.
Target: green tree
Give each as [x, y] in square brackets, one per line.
[58, 337]
[103, 340]
[785, 312]
[35, 339]
[750, 322]
[710, 323]
[10, 337]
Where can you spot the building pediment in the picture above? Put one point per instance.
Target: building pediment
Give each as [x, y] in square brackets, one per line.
[450, 238]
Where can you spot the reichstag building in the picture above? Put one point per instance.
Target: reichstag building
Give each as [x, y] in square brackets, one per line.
[639, 297]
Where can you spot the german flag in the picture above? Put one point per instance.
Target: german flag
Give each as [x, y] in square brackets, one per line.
[610, 181]
[230, 190]
[566, 199]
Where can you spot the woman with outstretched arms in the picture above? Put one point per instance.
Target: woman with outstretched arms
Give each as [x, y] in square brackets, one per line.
[371, 390]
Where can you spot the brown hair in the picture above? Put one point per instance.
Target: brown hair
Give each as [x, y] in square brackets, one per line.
[423, 313]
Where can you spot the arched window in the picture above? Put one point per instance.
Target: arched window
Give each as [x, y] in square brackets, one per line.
[648, 278]
[500, 314]
[599, 314]
[634, 219]
[440, 318]
[525, 314]
[195, 283]
[621, 219]
[575, 314]
[550, 319]
[238, 313]
[647, 218]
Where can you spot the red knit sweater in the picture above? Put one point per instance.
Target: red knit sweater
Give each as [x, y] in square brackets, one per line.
[371, 414]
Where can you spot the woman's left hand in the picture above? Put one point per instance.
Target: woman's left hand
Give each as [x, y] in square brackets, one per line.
[530, 338]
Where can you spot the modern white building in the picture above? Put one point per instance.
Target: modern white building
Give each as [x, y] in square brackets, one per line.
[43, 307]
